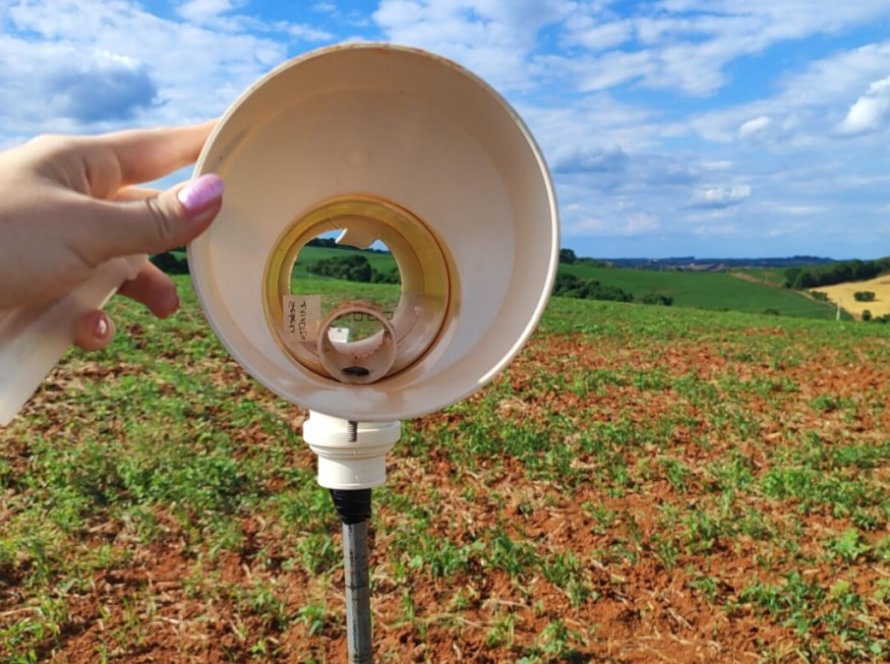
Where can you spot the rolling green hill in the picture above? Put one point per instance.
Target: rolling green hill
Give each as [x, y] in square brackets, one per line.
[703, 290]
[382, 262]
[770, 276]
[706, 290]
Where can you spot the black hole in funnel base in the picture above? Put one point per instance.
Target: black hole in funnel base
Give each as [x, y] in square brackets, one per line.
[358, 372]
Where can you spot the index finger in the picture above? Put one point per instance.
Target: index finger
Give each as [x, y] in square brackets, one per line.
[143, 155]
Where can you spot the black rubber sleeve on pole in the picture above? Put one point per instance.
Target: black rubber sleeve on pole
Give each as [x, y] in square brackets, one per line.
[353, 506]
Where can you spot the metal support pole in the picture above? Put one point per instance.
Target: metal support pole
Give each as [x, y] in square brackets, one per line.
[354, 508]
[358, 592]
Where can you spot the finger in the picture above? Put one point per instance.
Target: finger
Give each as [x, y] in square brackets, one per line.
[135, 194]
[142, 155]
[154, 289]
[172, 219]
[94, 331]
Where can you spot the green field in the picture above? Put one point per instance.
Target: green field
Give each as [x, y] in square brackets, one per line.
[703, 290]
[382, 262]
[643, 484]
[770, 276]
[706, 290]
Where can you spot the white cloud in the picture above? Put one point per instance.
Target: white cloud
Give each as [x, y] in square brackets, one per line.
[725, 229]
[590, 129]
[106, 87]
[686, 46]
[153, 70]
[720, 196]
[799, 210]
[614, 68]
[641, 222]
[494, 38]
[755, 126]
[719, 165]
[807, 108]
[634, 224]
[627, 164]
[587, 31]
[307, 33]
[870, 110]
[205, 11]
[222, 15]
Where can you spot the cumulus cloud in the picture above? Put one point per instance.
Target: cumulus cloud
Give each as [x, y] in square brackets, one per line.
[205, 11]
[686, 45]
[579, 72]
[755, 126]
[224, 15]
[110, 89]
[307, 33]
[596, 35]
[869, 112]
[722, 196]
[596, 161]
[799, 117]
[77, 65]
[495, 38]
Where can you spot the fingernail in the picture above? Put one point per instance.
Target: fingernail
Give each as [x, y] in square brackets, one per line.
[201, 193]
[101, 329]
[169, 305]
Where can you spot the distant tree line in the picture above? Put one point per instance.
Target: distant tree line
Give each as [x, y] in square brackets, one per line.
[814, 276]
[175, 261]
[568, 285]
[331, 243]
[568, 257]
[867, 316]
[354, 267]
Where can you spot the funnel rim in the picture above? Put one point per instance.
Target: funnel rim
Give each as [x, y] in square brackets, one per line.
[219, 323]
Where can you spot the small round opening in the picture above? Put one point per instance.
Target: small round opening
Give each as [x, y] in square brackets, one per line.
[364, 358]
[338, 273]
[355, 327]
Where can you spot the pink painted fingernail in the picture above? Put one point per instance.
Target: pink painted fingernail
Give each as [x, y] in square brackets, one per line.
[200, 194]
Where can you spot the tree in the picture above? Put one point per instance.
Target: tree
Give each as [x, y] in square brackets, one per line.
[567, 256]
[352, 267]
[791, 276]
[568, 285]
[655, 298]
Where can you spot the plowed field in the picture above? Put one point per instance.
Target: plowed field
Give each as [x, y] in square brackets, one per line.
[643, 484]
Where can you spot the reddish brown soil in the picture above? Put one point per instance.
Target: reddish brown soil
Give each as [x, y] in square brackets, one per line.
[637, 611]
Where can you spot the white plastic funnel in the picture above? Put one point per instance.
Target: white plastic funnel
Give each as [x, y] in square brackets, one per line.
[468, 203]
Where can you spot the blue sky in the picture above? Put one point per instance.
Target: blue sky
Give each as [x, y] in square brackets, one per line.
[672, 127]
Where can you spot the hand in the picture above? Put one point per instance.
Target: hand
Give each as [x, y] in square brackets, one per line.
[68, 204]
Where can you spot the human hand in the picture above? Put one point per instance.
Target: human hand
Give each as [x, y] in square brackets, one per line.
[68, 204]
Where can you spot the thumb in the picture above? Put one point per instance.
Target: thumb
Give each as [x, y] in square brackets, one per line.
[153, 225]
